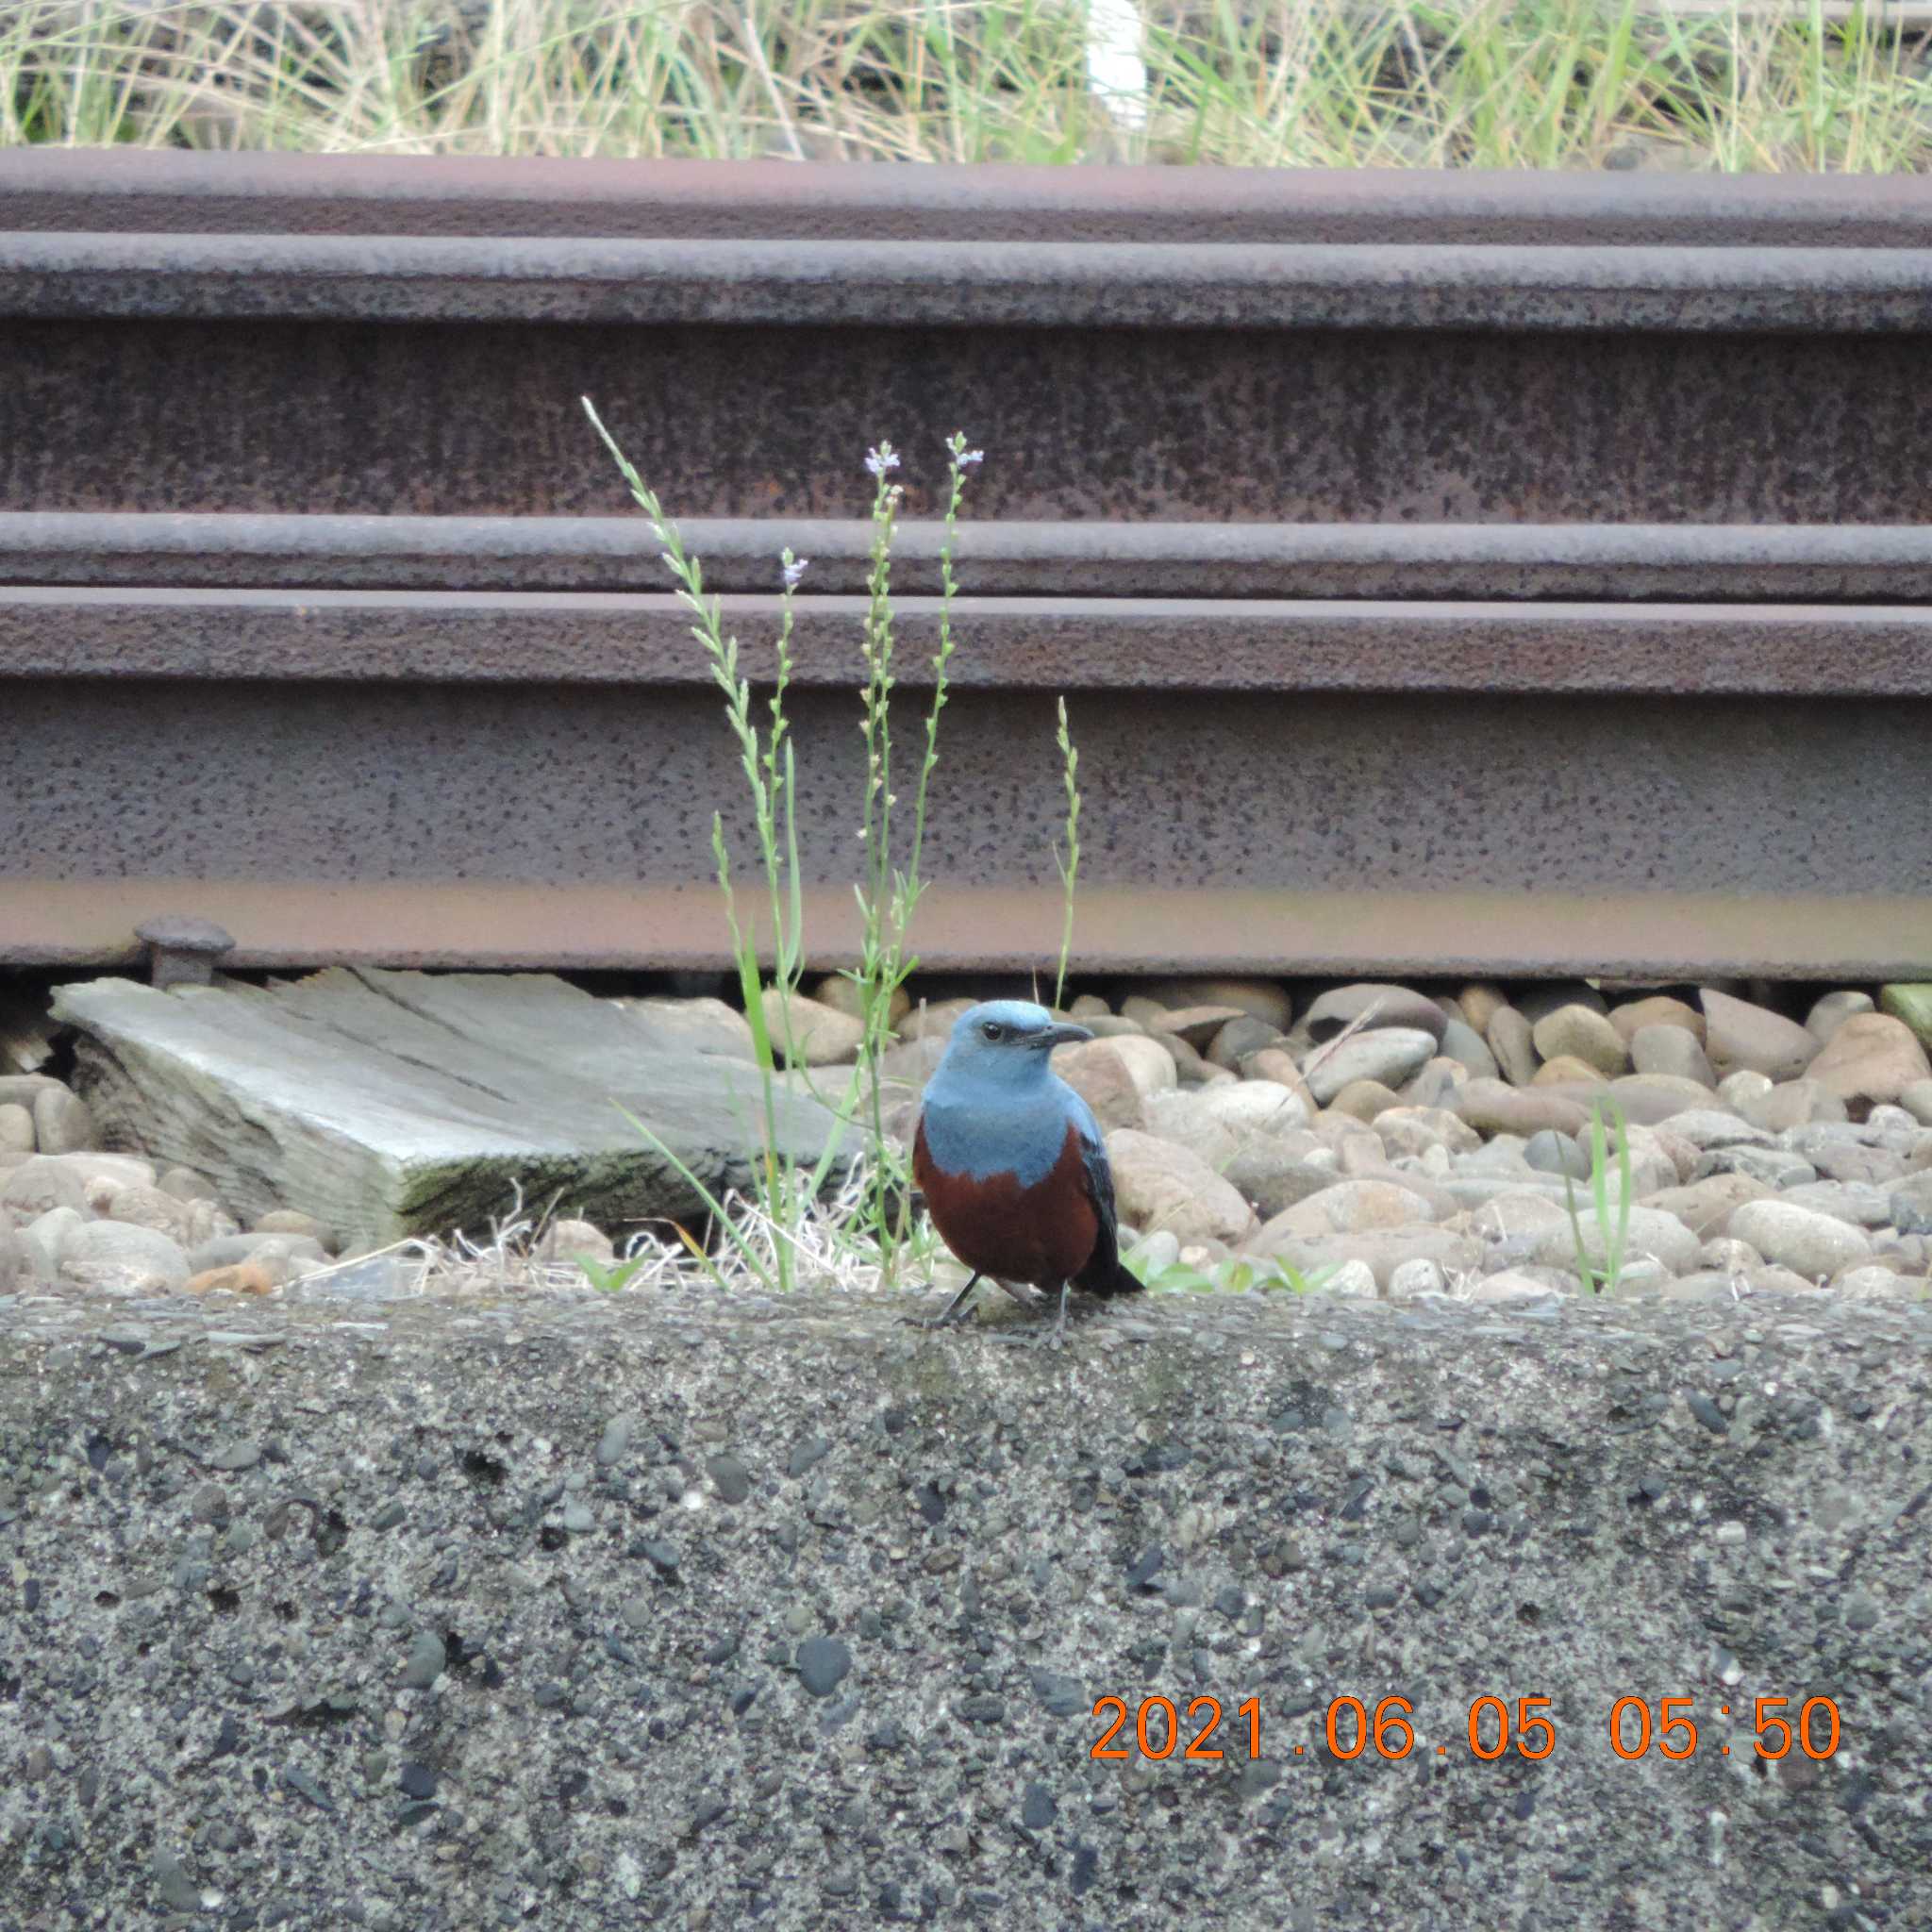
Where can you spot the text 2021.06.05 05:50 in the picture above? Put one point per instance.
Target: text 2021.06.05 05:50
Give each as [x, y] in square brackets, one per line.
[1161, 1729]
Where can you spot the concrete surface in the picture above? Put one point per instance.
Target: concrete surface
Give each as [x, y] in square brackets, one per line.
[611, 1613]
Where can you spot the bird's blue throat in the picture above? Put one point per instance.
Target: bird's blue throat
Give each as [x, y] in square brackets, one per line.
[979, 1129]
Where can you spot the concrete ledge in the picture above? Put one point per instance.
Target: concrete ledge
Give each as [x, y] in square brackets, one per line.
[451, 1615]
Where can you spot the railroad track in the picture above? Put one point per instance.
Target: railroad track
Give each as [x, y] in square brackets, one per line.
[1445, 573]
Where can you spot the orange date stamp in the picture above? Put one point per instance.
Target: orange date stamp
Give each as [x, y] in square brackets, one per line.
[1162, 1728]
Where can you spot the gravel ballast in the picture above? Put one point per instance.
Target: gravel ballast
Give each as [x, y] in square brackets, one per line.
[1236, 1145]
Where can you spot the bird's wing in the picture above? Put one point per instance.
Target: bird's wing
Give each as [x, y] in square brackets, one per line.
[1102, 1274]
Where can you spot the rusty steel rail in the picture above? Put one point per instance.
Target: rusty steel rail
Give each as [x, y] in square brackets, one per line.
[956, 285]
[1693, 563]
[123, 191]
[1445, 573]
[1169, 649]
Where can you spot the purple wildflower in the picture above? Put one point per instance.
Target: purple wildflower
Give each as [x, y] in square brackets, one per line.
[795, 567]
[879, 461]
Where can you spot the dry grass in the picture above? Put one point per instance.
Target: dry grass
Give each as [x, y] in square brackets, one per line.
[1329, 83]
[827, 1245]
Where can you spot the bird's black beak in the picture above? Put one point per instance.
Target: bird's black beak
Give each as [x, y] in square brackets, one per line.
[1063, 1033]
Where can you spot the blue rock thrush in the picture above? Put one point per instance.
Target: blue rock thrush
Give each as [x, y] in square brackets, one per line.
[1011, 1162]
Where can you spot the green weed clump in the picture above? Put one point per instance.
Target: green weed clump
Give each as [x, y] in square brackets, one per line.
[788, 1224]
[1231, 1274]
[1068, 860]
[1601, 1276]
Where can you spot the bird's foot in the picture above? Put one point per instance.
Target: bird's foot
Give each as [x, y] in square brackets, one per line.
[1059, 1338]
[1054, 1337]
[956, 1309]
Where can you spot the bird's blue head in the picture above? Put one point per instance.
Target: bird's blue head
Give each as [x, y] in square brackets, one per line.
[1004, 1043]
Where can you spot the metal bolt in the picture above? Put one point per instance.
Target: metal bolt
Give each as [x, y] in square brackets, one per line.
[183, 951]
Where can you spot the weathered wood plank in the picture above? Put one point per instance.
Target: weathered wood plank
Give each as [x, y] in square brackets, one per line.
[391, 1104]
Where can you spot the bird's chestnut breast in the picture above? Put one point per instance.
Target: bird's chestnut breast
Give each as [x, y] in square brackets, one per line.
[993, 1221]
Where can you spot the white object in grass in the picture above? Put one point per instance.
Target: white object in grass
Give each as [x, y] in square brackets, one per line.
[1116, 73]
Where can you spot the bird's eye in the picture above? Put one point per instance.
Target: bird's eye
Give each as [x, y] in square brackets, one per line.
[993, 1030]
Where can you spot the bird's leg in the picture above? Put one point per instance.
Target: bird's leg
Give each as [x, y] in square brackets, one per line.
[954, 1308]
[1054, 1337]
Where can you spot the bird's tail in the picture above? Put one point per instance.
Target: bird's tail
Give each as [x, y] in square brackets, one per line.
[1114, 1278]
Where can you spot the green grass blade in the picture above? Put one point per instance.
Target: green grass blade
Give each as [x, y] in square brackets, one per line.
[713, 1205]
